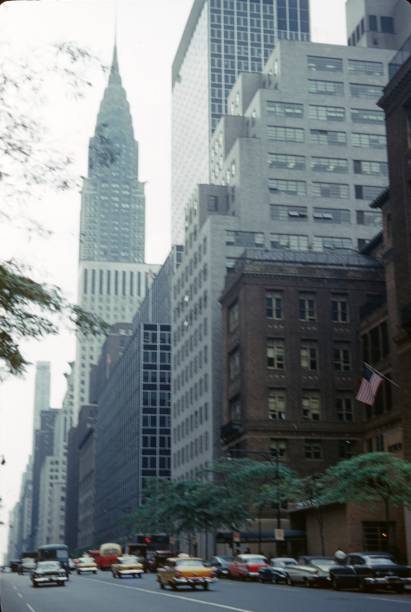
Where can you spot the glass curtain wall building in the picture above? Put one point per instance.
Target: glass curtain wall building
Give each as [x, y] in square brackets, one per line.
[222, 38]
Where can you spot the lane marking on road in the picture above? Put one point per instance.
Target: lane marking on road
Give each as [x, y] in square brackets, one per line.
[189, 599]
[397, 601]
[20, 595]
[30, 607]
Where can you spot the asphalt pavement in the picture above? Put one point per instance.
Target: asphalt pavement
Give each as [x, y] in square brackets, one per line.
[103, 593]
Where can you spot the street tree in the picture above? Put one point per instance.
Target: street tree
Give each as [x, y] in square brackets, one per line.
[372, 477]
[28, 164]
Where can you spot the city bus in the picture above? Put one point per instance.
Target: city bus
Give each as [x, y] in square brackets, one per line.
[54, 552]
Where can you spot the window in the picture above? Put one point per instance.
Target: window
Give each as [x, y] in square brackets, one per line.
[285, 109]
[311, 407]
[372, 23]
[313, 449]
[364, 115]
[359, 90]
[309, 356]
[273, 305]
[329, 164]
[326, 113]
[342, 359]
[294, 188]
[234, 365]
[275, 354]
[364, 67]
[288, 213]
[345, 449]
[366, 192]
[370, 168]
[293, 242]
[378, 535]
[240, 238]
[235, 409]
[233, 317]
[286, 162]
[276, 405]
[278, 448]
[324, 64]
[333, 88]
[369, 217]
[328, 137]
[369, 141]
[339, 310]
[344, 409]
[387, 25]
[332, 215]
[306, 308]
[331, 190]
[285, 134]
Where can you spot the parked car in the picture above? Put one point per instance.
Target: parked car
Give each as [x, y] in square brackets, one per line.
[71, 565]
[127, 565]
[48, 572]
[368, 571]
[272, 573]
[86, 565]
[185, 571]
[220, 565]
[247, 566]
[310, 571]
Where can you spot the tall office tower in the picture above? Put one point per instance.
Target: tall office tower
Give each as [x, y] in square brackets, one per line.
[41, 391]
[294, 166]
[378, 23]
[113, 277]
[221, 39]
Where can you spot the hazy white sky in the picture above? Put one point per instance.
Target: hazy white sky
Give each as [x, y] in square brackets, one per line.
[148, 33]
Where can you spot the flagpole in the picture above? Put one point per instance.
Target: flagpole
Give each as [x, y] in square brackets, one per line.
[381, 374]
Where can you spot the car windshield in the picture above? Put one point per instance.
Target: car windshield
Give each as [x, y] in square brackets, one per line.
[283, 562]
[128, 559]
[323, 562]
[254, 560]
[190, 563]
[48, 565]
[225, 558]
[379, 561]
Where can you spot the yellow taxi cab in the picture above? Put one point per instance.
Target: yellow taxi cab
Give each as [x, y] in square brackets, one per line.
[127, 565]
[86, 565]
[185, 571]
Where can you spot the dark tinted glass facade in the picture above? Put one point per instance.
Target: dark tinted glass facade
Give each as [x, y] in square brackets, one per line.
[242, 36]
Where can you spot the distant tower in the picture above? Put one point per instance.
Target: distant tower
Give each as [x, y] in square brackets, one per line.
[41, 391]
[113, 277]
[113, 201]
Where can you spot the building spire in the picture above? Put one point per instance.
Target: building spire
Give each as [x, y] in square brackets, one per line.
[114, 71]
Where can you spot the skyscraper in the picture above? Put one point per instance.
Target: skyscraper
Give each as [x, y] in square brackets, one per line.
[41, 391]
[113, 277]
[221, 39]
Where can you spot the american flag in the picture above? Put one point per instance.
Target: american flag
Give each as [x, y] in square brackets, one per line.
[369, 386]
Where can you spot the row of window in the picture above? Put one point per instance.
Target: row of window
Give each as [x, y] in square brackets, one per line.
[312, 449]
[116, 282]
[334, 64]
[375, 23]
[309, 357]
[339, 191]
[192, 450]
[321, 112]
[189, 424]
[337, 165]
[281, 212]
[302, 242]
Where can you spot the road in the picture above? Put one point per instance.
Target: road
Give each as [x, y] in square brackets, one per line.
[102, 593]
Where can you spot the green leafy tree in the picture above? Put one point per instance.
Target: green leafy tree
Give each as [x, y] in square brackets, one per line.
[28, 164]
[372, 477]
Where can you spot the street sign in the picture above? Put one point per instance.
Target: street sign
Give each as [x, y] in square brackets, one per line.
[236, 536]
[279, 535]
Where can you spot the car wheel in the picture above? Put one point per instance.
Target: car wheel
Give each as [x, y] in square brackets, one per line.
[162, 585]
[173, 586]
[399, 588]
[95, 572]
[35, 585]
[289, 581]
[335, 584]
[205, 586]
[364, 587]
[307, 583]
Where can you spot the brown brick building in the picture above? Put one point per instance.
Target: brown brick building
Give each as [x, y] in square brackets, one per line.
[292, 355]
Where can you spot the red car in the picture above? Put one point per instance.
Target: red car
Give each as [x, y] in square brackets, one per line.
[246, 566]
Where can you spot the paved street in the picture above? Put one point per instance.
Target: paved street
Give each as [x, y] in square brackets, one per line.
[102, 593]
